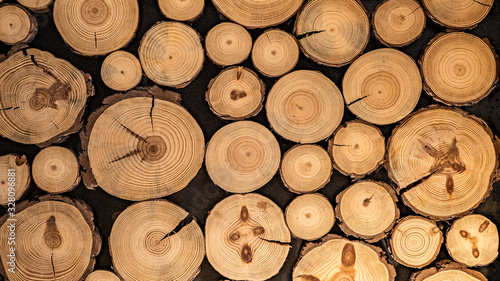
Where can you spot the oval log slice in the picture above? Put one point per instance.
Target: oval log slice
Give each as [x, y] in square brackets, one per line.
[182, 10]
[15, 177]
[275, 52]
[38, 6]
[228, 43]
[457, 14]
[17, 26]
[121, 71]
[447, 270]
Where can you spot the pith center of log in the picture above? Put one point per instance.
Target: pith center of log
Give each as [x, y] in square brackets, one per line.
[245, 233]
[152, 148]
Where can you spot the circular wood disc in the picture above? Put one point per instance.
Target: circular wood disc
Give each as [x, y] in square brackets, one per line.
[151, 143]
[156, 240]
[182, 10]
[17, 25]
[382, 86]
[398, 23]
[171, 54]
[367, 209]
[38, 6]
[96, 27]
[102, 275]
[228, 43]
[21, 176]
[304, 106]
[121, 71]
[57, 234]
[416, 241]
[247, 238]
[310, 216]
[447, 270]
[242, 157]
[342, 259]
[275, 52]
[56, 170]
[43, 97]
[236, 93]
[445, 160]
[256, 13]
[459, 68]
[473, 240]
[357, 148]
[305, 168]
[332, 32]
[459, 14]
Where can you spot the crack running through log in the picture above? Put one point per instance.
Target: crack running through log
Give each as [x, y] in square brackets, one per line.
[275, 241]
[186, 221]
[309, 33]
[356, 100]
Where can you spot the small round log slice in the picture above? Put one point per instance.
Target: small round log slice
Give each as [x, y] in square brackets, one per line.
[332, 32]
[457, 14]
[304, 106]
[17, 26]
[38, 6]
[459, 68]
[275, 52]
[339, 259]
[171, 54]
[367, 210]
[235, 94]
[305, 168]
[357, 148]
[310, 216]
[21, 179]
[56, 170]
[246, 237]
[102, 275]
[228, 43]
[445, 161]
[473, 240]
[42, 99]
[256, 13]
[382, 86]
[446, 270]
[53, 234]
[121, 71]
[416, 241]
[182, 10]
[156, 240]
[242, 157]
[397, 23]
[96, 27]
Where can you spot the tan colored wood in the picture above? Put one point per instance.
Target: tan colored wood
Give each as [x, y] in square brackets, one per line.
[102, 275]
[459, 68]
[304, 106]
[228, 43]
[20, 180]
[182, 10]
[446, 270]
[121, 71]
[17, 26]
[236, 93]
[96, 27]
[457, 14]
[242, 157]
[275, 53]
[443, 160]
[38, 6]
[382, 86]
[246, 237]
[305, 168]
[332, 32]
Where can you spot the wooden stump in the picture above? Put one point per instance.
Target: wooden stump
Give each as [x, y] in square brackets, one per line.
[367, 210]
[461, 14]
[397, 23]
[310, 216]
[228, 43]
[305, 168]
[56, 170]
[142, 138]
[235, 94]
[121, 71]
[382, 86]
[15, 178]
[242, 157]
[416, 241]
[473, 240]
[156, 240]
[258, 14]
[357, 149]
[304, 106]
[102, 275]
[247, 238]
[97, 27]
[339, 259]
[17, 26]
[459, 68]
[171, 54]
[43, 97]
[445, 161]
[38, 6]
[446, 270]
[54, 233]
[275, 52]
[332, 32]
[182, 10]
